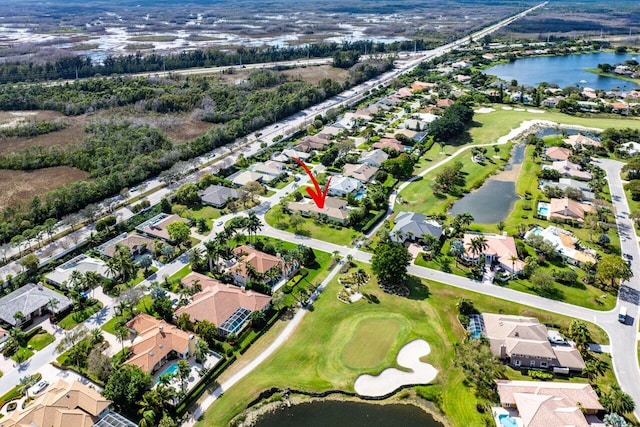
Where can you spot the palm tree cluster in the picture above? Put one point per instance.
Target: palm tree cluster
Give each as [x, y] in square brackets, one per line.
[121, 266]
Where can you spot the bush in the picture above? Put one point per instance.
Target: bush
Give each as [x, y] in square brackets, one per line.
[541, 375]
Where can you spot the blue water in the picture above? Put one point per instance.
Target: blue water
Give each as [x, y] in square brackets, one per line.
[543, 210]
[171, 369]
[507, 421]
[359, 195]
[563, 70]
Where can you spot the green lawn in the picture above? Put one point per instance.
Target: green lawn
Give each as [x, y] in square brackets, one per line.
[418, 196]
[22, 354]
[377, 335]
[313, 359]
[76, 317]
[140, 307]
[340, 236]
[41, 340]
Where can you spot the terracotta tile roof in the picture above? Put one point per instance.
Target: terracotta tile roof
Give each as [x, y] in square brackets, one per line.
[567, 208]
[218, 301]
[544, 404]
[62, 405]
[557, 153]
[391, 143]
[499, 246]
[156, 338]
[260, 261]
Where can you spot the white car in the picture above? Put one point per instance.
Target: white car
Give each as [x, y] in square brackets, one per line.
[39, 386]
[219, 223]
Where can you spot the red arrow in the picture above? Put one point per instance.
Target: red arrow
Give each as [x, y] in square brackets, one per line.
[318, 196]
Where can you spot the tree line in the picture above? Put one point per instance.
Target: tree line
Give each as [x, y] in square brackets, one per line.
[81, 67]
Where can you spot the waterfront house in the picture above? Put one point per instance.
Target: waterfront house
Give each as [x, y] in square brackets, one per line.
[547, 404]
[413, 226]
[553, 154]
[568, 209]
[568, 169]
[500, 248]
[524, 343]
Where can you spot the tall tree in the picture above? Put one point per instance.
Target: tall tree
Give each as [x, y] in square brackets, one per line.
[390, 262]
[612, 269]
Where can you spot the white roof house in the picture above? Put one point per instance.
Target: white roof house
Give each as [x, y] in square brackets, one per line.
[342, 185]
[565, 243]
[31, 300]
[373, 158]
[81, 263]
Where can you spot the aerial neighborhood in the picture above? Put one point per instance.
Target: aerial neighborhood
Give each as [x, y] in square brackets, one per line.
[477, 232]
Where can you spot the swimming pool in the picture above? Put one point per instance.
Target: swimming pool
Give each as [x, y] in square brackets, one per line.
[543, 209]
[507, 421]
[171, 369]
[359, 195]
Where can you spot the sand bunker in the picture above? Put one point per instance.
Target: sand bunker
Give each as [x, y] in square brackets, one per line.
[391, 379]
[507, 108]
[484, 110]
[535, 111]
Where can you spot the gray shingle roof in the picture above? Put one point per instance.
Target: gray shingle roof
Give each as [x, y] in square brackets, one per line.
[28, 299]
[416, 224]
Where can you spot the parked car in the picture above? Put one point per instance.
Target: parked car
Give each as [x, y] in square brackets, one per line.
[39, 386]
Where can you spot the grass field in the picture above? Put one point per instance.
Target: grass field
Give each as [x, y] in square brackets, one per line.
[342, 236]
[76, 317]
[314, 357]
[375, 334]
[18, 186]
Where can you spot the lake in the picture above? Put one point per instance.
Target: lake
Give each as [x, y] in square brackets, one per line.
[329, 413]
[493, 201]
[564, 70]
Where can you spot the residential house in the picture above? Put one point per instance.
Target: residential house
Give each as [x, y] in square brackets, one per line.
[334, 209]
[361, 172]
[554, 154]
[580, 140]
[568, 209]
[373, 158]
[589, 106]
[218, 195]
[389, 143]
[136, 243]
[250, 260]
[307, 145]
[418, 85]
[620, 107]
[32, 301]
[547, 404]
[567, 245]
[63, 404]
[4, 334]
[271, 168]
[631, 148]
[444, 103]
[412, 226]
[500, 248]
[226, 306]
[341, 186]
[552, 102]
[156, 342]
[406, 132]
[404, 92]
[566, 183]
[568, 169]
[82, 263]
[524, 342]
[157, 227]
[287, 154]
[242, 178]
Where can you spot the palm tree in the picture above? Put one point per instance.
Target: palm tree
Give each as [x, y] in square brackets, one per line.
[96, 336]
[478, 245]
[456, 250]
[183, 372]
[253, 224]
[146, 262]
[201, 351]
[617, 401]
[122, 333]
[20, 317]
[25, 384]
[513, 260]
[213, 249]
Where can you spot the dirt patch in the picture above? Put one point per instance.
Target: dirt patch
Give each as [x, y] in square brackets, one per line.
[71, 135]
[315, 74]
[18, 187]
[186, 130]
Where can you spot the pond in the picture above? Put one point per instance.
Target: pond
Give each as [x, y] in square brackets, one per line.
[549, 131]
[564, 70]
[330, 413]
[493, 201]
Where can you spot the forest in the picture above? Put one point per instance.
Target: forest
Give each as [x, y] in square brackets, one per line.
[72, 67]
[118, 154]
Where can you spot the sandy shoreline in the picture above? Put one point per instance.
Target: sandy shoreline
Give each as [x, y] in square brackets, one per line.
[251, 415]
